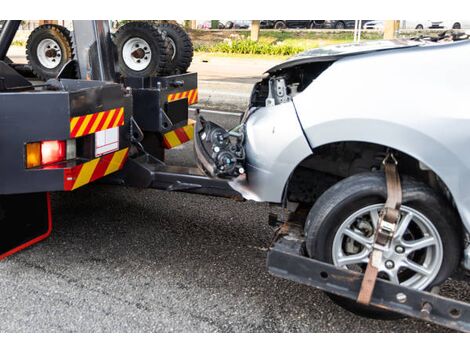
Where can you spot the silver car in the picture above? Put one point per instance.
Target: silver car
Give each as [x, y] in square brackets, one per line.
[317, 130]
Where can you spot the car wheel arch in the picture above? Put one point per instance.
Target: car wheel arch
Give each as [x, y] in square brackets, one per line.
[448, 187]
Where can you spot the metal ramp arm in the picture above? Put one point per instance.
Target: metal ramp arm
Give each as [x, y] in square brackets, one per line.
[285, 260]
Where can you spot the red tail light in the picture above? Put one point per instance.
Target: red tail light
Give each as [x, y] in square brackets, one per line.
[45, 153]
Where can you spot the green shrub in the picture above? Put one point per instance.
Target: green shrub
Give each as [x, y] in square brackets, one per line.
[246, 46]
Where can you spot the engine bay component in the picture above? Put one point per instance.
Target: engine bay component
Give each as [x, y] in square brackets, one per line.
[223, 154]
[277, 92]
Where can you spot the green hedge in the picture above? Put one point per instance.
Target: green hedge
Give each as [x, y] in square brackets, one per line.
[246, 46]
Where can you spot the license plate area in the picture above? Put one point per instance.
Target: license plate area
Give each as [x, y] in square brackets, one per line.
[106, 141]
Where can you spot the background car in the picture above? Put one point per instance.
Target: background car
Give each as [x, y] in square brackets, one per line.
[236, 24]
[341, 24]
[374, 25]
[415, 24]
[283, 24]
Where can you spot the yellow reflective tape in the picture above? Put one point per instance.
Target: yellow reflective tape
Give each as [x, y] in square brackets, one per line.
[73, 123]
[172, 139]
[121, 111]
[85, 173]
[189, 130]
[108, 119]
[116, 161]
[97, 122]
[84, 125]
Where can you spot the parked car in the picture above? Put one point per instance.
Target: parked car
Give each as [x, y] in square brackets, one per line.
[415, 24]
[236, 24]
[341, 24]
[308, 142]
[283, 24]
[456, 24]
[374, 25]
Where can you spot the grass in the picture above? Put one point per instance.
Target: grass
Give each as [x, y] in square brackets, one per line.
[276, 43]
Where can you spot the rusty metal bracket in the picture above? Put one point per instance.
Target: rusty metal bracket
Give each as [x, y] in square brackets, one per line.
[287, 260]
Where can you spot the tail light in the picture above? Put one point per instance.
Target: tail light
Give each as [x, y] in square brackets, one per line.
[49, 152]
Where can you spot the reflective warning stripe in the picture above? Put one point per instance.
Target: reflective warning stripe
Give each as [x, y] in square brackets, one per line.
[179, 136]
[92, 170]
[191, 95]
[91, 123]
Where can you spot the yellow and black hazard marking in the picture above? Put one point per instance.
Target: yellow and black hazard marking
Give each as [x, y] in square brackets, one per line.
[191, 95]
[92, 170]
[179, 136]
[100, 121]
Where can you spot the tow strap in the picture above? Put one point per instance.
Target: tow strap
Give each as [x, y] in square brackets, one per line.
[385, 229]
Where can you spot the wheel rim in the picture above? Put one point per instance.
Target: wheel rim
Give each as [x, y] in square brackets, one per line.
[49, 53]
[136, 54]
[340, 25]
[414, 257]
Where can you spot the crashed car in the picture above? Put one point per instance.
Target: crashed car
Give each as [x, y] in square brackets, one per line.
[315, 137]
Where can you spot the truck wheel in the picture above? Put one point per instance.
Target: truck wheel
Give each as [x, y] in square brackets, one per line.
[425, 251]
[180, 48]
[142, 50]
[48, 49]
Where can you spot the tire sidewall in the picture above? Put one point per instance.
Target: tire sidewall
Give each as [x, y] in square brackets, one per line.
[322, 224]
[33, 58]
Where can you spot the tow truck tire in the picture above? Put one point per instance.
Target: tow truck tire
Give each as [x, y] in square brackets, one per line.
[348, 197]
[142, 50]
[180, 48]
[48, 49]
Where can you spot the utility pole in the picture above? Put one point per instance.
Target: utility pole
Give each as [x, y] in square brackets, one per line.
[391, 29]
[255, 24]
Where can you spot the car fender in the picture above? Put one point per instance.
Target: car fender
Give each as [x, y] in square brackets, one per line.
[413, 100]
[275, 144]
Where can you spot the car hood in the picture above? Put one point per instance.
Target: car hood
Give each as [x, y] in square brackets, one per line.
[335, 52]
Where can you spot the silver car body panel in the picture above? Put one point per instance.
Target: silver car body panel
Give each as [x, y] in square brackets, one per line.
[275, 144]
[413, 99]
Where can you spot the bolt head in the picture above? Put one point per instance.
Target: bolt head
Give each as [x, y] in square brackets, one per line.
[389, 264]
[216, 149]
[401, 297]
[399, 249]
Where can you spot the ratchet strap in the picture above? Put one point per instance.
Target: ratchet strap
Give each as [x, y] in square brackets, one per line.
[385, 229]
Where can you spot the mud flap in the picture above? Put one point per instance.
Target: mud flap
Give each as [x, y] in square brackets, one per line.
[25, 219]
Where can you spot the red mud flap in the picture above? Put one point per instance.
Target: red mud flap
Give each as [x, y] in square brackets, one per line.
[25, 219]
[286, 260]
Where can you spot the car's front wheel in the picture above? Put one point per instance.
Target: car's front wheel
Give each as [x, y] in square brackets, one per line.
[424, 252]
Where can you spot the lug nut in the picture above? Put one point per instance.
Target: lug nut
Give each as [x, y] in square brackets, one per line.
[389, 264]
[399, 249]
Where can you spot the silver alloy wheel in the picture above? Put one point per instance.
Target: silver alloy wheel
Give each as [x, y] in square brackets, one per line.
[413, 258]
[136, 54]
[49, 53]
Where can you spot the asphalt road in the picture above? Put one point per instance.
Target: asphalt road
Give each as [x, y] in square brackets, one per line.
[129, 260]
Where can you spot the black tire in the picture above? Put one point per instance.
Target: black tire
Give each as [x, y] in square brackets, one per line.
[229, 25]
[358, 191]
[456, 25]
[419, 27]
[158, 47]
[58, 34]
[180, 48]
[280, 25]
[340, 25]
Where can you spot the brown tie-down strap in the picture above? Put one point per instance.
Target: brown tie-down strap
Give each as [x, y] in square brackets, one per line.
[386, 227]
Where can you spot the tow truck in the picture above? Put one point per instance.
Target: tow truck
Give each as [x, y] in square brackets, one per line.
[95, 122]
